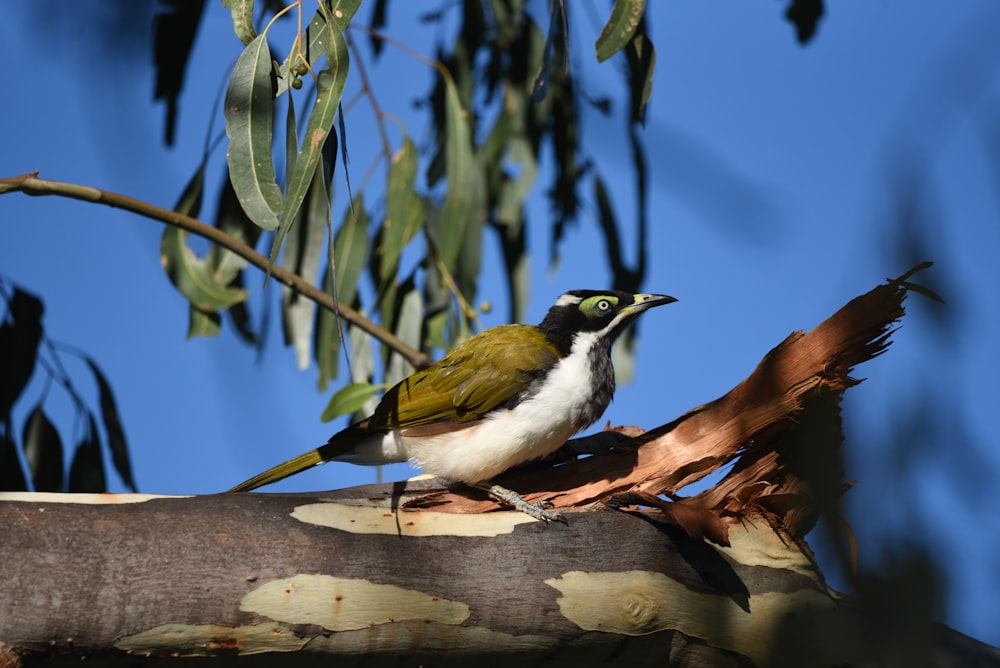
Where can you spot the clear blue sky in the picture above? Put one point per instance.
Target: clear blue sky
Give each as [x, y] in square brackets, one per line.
[777, 195]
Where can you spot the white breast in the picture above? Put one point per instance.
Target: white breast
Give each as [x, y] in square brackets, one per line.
[507, 437]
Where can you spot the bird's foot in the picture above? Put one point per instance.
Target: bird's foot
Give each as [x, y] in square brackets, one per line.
[540, 511]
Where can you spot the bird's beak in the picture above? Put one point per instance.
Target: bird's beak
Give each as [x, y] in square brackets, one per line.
[644, 301]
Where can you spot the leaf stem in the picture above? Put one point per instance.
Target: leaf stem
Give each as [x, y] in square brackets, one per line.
[30, 184]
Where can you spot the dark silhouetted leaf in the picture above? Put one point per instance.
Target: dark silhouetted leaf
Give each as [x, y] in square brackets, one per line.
[625, 17]
[173, 37]
[20, 334]
[805, 16]
[349, 399]
[558, 38]
[112, 427]
[249, 113]
[641, 59]
[43, 452]
[86, 472]
[11, 474]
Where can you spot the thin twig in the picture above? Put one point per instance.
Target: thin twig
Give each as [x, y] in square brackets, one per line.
[30, 184]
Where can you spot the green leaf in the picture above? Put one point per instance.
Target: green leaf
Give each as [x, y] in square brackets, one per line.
[189, 203]
[326, 341]
[249, 113]
[242, 14]
[464, 197]
[43, 452]
[86, 472]
[112, 427]
[11, 475]
[400, 201]
[302, 253]
[192, 276]
[329, 90]
[625, 17]
[349, 399]
[351, 250]
[408, 328]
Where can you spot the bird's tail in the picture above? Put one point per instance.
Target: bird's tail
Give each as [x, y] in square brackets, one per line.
[340, 444]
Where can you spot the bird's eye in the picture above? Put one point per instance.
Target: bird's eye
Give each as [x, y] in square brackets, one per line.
[604, 306]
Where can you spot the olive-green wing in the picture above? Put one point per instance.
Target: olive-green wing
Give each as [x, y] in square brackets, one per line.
[482, 373]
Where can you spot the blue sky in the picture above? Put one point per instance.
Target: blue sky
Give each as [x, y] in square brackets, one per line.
[784, 182]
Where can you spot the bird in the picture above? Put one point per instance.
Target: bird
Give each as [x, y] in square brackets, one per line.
[505, 396]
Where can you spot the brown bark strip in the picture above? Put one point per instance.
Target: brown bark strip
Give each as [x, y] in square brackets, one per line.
[756, 422]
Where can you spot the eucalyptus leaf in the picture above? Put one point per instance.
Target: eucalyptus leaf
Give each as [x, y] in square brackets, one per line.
[408, 328]
[326, 341]
[242, 15]
[112, 426]
[302, 254]
[464, 198]
[624, 20]
[351, 250]
[43, 451]
[249, 114]
[329, 90]
[192, 277]
[86, 472]
[400, 196]
[20, 334]
[350, 399]
[11, 475]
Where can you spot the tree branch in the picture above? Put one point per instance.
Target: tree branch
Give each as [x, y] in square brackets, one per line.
[30, 184]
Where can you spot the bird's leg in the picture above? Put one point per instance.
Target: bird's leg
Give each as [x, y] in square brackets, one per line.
[514, 500]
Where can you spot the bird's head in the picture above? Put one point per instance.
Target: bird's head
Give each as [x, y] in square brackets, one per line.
[604, 313]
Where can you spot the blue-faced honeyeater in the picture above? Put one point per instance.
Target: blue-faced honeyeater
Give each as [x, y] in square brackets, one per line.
[505, 396]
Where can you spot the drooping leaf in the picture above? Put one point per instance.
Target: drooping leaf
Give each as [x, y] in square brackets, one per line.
[408, 328]
[242, 15]
[805, 16]
[173, 36]
[329, 90]
[112, 427]
[351, 250]
[641, 59]
[349, 399]
[464, 197]
[326, 340]
[43, 452]
[86, 472]
[557, 39]
[11, 475]
[350, 254]
[249, 113]
[189, 203]
[302, 253]
[228, 266]
[397, 230]
[625, 17]
[192, 276]
[20, 334]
